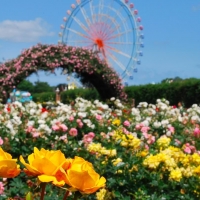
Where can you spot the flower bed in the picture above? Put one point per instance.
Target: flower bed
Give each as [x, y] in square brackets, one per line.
[148, 152]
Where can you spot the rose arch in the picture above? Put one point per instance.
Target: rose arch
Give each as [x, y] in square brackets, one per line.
[48, 57]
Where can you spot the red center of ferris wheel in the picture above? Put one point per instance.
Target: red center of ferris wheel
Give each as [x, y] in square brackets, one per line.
[99, 43]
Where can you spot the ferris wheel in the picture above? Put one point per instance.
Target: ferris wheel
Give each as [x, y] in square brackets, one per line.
[111, 28]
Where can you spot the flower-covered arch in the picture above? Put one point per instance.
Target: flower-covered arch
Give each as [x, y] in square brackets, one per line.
[48, 57]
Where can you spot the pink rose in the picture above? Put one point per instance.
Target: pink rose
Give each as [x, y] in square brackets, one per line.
[91, 134]
[98, 117]
[55, 127]
[145, 129]
[71, 118]
[126, 123]
[171, 129]
[63, 127]
[196, 132]
[1, 188]
[1, 141]
[73, 132]
[80, 124]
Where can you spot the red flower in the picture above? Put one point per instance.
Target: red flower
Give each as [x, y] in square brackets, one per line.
[8, 109]
[44, 110]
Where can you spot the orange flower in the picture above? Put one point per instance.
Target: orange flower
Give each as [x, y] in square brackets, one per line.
[49, 166]
[8, 166]
[81, 176]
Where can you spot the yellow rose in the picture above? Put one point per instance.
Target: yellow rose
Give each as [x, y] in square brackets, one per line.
[49, 166]
[81, 176]
[8, 166]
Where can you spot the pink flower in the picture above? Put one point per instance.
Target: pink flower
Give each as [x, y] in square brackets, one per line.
[171, 129]
[139, 126]
[98, 117]
[146, 147]
[1, 141]
[78, 121]
[145, 129]
[71, 118]
[187, 148]
[55, 127]
[63, 127]
[35, 134]
[91, 134]
[64, 137]
[126, 131]
[177, 142]
[73, 132]
[80, 124]
[150, 138]
[126, 123]
[87, 138]
[196, 132]
[1, 188]
[29, 129]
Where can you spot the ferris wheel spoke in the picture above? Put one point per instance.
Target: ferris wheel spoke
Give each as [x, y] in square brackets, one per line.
[80, 24]
[78, 33]
[100, 10]
[80, 41]
[116, 60]
[120, 34]
[92, 11]
[118, 51]
[85, 16]
[125, 43]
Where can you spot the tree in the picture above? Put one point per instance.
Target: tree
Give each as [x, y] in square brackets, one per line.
[26, 85]
[42, 87]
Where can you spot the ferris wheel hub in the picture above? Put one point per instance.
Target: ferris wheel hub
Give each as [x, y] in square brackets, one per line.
[99, 43]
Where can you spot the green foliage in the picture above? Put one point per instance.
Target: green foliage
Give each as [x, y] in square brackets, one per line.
[185, 91]
[71, 95]
[41, 87]
[44, 97]
[26, 85]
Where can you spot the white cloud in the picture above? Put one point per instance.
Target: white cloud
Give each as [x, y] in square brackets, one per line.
[24, 31]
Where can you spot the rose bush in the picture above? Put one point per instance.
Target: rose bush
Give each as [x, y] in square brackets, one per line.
[146, 152]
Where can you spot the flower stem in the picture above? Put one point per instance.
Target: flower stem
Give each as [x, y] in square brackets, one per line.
[66, 195]
[43, 185]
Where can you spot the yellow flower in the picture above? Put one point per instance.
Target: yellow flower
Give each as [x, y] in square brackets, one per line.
[153, 161]
[163, 141]
[8, 166]
[143, 153]
[49, 166]
[197, 170]
[175, 175]
[81, 176]
[116, 122]
[134, 168]
[101, 194]
[116, 161]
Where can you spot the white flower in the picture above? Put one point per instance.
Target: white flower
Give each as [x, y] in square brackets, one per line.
[30, 123]
[82, 114]
[40, 121]
[32, 111]
[168, 133]
[112, 98]
[157, 124]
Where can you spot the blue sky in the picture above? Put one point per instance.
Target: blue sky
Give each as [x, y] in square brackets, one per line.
[171, 29]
